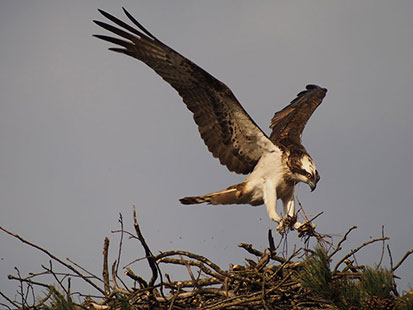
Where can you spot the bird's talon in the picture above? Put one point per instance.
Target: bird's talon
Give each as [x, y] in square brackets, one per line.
[280, 226]
[297, 225]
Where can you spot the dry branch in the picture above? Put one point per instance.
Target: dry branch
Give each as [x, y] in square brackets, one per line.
[105, 272]
[402, 260]
[358, 249]
[53, 257]
[248, 247]
[268, 281]
[148, 253]
[338, 247]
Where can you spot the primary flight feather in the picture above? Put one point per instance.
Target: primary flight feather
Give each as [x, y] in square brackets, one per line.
[275, 164]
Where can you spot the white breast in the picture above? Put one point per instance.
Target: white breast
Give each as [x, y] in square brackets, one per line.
[269, 167]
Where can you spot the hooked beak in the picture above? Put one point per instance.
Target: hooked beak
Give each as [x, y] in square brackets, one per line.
[312, 185]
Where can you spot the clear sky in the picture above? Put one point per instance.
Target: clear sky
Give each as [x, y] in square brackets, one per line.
[86, 133]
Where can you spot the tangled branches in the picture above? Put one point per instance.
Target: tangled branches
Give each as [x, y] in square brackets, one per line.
[304, 280]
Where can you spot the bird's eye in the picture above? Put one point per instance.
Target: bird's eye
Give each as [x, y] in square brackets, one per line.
[308, 175]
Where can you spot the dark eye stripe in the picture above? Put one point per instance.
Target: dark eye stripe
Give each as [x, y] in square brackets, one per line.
[302, 171]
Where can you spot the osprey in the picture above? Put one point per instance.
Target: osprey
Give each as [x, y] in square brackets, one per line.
[275, 164]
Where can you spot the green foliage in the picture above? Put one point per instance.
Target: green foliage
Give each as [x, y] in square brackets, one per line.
[376, 282]
[350, 295]
[373, 289]
[316, 275]
[59, 301]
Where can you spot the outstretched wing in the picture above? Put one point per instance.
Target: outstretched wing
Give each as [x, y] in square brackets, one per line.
[288, 124]
[227, 130]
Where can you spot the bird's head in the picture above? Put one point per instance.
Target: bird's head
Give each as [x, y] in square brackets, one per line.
[307, 172]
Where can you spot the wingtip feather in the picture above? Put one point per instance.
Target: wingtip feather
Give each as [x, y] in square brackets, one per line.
[139, 25]
[314, 86]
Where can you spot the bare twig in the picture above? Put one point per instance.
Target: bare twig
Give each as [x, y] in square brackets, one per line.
[338, 248]
[191, 275]
[136, 278]
[99, 307]
[148, 253]
[402, 260]
[178, 291]
[131, 236]
[120, 241]
[116, 288]
[69, 286]
[248, 247]
[213, 291]
[54, 258]
[314, 217]
[382, 249]
[193, 256]
[356, 250]
[105, 272]
[9, 300]
[5, 306]
[271, 242]
[189, 283]
[50, 271]
[200, 265]
[390, 257]
[84, 270]
[46, 298]
[263, 261]
[11, 277]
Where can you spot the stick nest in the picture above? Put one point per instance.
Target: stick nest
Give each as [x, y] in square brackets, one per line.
[271, 280]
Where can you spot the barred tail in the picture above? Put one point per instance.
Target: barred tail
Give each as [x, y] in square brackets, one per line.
[195, 200]
[231, 195]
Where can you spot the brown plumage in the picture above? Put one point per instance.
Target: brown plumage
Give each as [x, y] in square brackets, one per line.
[227, 130]
[288, 124]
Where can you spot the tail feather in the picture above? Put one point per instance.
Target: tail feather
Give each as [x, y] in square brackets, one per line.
[195, 200]
[231, 195]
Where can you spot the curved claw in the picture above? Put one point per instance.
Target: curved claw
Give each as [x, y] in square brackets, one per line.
[280, 227]
[287, 223]
[291, 223]
[306, 229]
[297, 225]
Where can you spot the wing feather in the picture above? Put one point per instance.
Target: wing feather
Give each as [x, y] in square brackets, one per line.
[288, 124]
[227, 130]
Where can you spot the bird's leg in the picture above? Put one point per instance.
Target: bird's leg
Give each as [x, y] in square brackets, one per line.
[270, 200]
[288, 205]
[289, 208]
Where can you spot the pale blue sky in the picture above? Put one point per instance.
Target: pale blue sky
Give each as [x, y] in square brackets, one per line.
[85, 133]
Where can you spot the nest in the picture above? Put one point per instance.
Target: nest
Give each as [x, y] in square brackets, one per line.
[271, 280]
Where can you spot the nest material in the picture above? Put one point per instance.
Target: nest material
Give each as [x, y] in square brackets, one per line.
[266, 283]
[270, 280]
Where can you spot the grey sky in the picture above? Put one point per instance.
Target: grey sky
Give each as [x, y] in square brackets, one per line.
[85, 133]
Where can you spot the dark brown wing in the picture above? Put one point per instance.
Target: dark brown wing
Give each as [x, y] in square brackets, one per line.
[288, 124]
[227, 130]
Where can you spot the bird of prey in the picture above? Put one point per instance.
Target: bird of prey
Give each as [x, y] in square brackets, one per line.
[274, 164]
